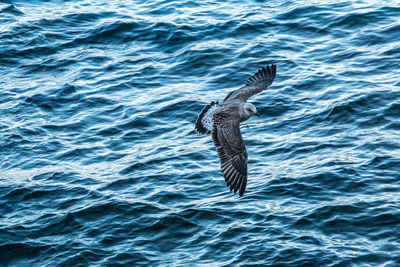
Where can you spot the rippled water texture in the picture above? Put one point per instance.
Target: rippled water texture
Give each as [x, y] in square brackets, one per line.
[101, 165]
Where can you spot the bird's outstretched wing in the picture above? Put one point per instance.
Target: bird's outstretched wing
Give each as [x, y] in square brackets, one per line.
[256, 84]
[231, 150]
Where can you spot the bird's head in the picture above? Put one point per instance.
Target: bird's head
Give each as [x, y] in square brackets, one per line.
[249, 110]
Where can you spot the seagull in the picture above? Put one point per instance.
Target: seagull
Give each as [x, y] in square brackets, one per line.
[222, 121]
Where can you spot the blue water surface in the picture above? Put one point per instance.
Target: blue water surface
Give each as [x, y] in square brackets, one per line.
[101, 165]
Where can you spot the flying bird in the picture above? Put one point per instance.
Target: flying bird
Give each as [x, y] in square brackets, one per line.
[222, 121]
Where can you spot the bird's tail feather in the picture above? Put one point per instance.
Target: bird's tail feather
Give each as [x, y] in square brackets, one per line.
[204, 123]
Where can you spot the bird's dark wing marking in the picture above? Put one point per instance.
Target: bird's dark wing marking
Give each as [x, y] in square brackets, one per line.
[232, 153]
[256, 84]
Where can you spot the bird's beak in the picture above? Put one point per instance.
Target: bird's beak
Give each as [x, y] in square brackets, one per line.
[258, 115]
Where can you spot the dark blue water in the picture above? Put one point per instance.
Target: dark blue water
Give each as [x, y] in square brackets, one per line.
[101, 165]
